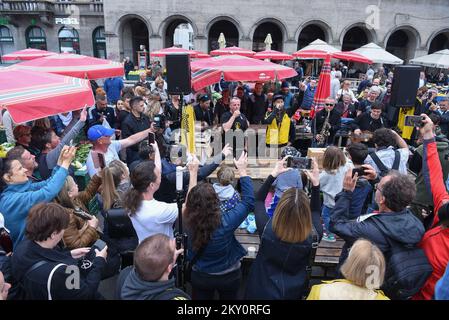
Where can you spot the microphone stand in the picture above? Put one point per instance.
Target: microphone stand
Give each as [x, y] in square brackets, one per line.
[180, 236]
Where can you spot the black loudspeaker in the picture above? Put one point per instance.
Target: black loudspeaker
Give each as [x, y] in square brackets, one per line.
[405, 85]
[178, 74]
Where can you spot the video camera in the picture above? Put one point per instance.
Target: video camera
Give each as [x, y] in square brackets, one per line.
[159, 121]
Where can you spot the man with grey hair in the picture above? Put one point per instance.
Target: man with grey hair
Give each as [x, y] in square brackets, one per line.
[143, 81]
[128, 65]
[365, 105]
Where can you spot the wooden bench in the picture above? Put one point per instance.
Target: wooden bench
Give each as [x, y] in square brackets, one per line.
[328, 255]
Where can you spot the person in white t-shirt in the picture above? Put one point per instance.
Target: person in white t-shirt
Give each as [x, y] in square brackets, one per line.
[101, 139]
[148, 215]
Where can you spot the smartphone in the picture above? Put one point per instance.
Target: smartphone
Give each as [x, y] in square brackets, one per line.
[414, 121]
[151, 138]
[99, 245]
[302, 163]
[98, 159]
[360, 171]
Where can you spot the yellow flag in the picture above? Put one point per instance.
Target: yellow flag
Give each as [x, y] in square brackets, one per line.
[188, 128]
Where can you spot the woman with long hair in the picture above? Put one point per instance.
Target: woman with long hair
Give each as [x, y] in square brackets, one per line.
[115, 183]
[213, 248]
[286, 240]
[148, 215]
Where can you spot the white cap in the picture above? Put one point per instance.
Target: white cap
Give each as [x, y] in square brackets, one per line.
[2, 223]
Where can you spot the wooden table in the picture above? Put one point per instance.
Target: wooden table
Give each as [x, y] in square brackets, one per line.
[258, 169]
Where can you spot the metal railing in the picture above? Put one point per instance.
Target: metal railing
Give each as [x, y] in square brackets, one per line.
[61, 8]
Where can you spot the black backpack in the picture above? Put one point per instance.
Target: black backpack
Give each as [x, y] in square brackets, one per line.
[382, 168]
[407, 270]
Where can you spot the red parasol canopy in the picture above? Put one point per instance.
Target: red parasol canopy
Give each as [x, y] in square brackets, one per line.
[232, 51]
[323, 91]
[171, 50]
[236, 68]
[27, 54]
[201, 55]
[311, 54]
[34, 95]
[273, 55]
[74, 65]
[351, 56]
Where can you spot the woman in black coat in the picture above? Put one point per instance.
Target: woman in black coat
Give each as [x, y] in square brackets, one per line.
[279, 271]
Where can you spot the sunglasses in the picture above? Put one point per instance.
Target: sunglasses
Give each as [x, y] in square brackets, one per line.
[330, 104]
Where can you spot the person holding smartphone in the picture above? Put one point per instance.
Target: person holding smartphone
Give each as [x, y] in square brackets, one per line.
[101, 139]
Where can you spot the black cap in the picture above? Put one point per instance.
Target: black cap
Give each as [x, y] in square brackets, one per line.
[204, 97]
[278, 96]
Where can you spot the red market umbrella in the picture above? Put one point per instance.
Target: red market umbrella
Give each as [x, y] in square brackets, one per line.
[206, 72]
[172, 50]
[273, 55]
[310, 54]
[34, 95]
[27, 54]
[201, 55]
[74, 65]
[351, 56]
[323, 90]
[232, 51]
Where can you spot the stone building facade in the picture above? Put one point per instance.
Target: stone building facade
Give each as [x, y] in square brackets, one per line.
[407, 28]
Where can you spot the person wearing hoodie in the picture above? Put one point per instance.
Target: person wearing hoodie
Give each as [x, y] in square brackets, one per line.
[226, 193]
[20, 194]
[286, 240]
[149, 279]
[394, 221]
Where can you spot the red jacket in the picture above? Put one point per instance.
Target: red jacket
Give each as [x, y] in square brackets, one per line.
[435, 242]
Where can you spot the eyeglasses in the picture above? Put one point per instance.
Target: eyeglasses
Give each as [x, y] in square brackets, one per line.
[330, 104]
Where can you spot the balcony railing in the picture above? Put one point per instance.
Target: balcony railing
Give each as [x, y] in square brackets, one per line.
[57, 8]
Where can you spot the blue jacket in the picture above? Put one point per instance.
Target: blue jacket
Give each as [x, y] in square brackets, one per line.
[402, 226]
[113, 88]
[223, 250]
[361, 192]
[309, 95]
[279, 271]
[17, 200]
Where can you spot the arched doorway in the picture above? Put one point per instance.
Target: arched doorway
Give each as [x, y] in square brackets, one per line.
[229, 30]
[355, 38]
[440, 42]
[310, 34]
[402, 43]
[6, 40]
[134, 37]
[69, 40]
[179, 33]
[99, 43]
[261, 33]
[35, 38]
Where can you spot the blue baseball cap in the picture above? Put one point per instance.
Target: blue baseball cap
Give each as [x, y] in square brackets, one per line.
[96, 132]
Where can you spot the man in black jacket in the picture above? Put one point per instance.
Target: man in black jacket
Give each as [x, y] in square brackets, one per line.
[334, 120]
[135, 121]
[101, 112]
[257, 105]
[203, 112]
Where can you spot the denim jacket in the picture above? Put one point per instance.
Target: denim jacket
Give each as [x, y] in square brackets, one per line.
[223, 250]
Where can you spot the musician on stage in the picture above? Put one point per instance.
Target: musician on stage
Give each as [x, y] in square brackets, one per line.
[234, 120]
[330, 117]
[203, 112]
[281, 129]
[369, 122]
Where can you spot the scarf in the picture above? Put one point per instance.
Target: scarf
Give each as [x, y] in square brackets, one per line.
[65, 119]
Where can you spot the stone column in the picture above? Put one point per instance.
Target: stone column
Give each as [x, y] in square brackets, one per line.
[200, 43]
[113, 47]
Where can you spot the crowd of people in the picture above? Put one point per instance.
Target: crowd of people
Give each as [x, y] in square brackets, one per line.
[384, 194]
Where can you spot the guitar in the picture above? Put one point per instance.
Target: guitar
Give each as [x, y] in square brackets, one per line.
[365, 136]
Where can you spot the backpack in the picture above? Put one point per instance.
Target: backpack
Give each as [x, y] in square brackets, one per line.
[407, 269]
[383, 169]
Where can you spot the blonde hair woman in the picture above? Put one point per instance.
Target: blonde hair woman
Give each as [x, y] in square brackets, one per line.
[115, 183]
[364, 272]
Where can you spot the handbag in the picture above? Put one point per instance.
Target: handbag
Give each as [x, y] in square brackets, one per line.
[190, 263]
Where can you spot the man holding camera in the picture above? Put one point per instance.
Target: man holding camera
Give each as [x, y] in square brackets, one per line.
[281, 129]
